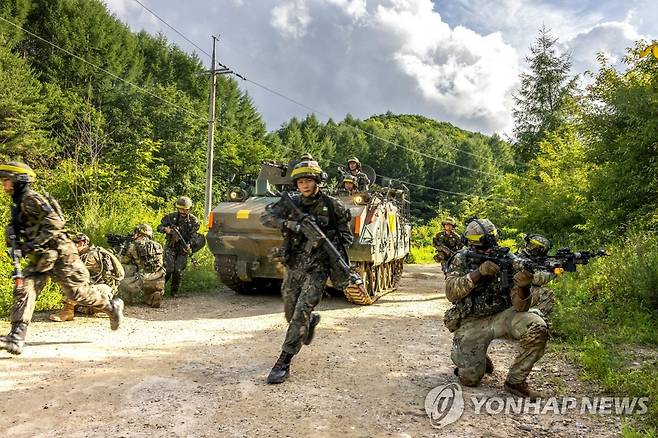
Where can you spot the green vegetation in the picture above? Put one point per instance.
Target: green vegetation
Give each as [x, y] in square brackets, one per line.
[582, 170]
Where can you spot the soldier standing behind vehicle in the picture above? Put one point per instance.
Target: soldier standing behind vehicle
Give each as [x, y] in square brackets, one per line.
[308, 266]
[483, 311]
[180, 228]
[361, 179]
[144, 267]
[37, 229]
[447, 242]
[103, 267]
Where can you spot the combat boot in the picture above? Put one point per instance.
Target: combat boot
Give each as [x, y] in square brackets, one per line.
[489, 367]
[15, 340]
[65, 314]
[115, 312]
[315, 320]
[522, 390]
[281, 369]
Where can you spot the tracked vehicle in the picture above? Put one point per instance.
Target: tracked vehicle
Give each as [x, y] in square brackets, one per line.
[242, 246]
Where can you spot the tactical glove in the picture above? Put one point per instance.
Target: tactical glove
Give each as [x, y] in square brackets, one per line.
[489, 268]
[523, 278]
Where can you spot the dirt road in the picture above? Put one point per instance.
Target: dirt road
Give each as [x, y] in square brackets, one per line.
[197, 368]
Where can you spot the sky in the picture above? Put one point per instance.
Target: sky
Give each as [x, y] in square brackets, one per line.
[452, 60]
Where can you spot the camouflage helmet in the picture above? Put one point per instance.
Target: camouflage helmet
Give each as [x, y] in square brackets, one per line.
[143, 230]
[537, 244]
[307, 157]
[17, 172]
[354, 160]
[481, 232]
[307, 169]
[183, 202]
[81, 237]
[449, 221]
[349, 178]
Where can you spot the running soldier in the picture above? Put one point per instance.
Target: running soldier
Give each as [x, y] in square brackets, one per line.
[37, 231]
[483, 310]
[143, 263]
[181, 229]
[103, 267]
[308, 265]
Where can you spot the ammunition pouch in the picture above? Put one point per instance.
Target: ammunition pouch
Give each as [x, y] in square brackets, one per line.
[452, 318]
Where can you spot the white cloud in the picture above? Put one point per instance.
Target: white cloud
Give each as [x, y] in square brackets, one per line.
[610, 38]
[291, 18]
[465, 73]
[354, 8]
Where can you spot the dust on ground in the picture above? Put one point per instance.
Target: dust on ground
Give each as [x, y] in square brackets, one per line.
[197, 367]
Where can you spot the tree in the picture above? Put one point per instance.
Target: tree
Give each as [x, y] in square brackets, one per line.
[541, 97]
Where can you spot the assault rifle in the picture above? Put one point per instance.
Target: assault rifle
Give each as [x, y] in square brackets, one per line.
[118, 241]
[566, 259]
[500, 255]
[15, 255]
[188, 247]
[316, 237]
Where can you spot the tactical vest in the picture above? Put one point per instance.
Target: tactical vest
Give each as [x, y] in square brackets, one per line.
[150, 254]
[485, 299]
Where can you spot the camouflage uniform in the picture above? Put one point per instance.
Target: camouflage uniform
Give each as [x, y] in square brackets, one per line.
[177, 251]
[446, 244]
[361, 180]
[307, 268]
[39, 227]
[484, 313]
[104, 268]
[145, 272]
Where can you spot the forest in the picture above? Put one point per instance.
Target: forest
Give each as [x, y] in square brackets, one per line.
[115, 123]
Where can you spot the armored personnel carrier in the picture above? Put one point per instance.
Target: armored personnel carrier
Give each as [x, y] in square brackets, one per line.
[242, 246]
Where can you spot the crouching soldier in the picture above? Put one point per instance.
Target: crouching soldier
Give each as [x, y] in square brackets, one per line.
[143, 263]
[103, 267]
[37, 231]
[542, 298]
[482, 311]
[308, 264]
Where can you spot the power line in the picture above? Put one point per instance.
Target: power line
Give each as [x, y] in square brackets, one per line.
[150, 93]
[313, 110]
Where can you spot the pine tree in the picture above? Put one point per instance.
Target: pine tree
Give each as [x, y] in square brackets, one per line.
[542, 95]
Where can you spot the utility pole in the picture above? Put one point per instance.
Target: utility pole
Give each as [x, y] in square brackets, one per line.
[211, 127]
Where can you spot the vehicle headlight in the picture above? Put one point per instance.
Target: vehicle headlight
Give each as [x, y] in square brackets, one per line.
[360, 199]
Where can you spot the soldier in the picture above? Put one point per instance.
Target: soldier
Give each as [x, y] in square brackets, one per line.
[543, 298]
[483, 311]
[37, 227]
[180, 228]
[103, 267]
[361, 179]
[447, 242]
[145, 271]
[349, 184]
[308, 266]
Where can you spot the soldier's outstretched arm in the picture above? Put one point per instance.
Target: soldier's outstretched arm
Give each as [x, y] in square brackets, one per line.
[459, 281]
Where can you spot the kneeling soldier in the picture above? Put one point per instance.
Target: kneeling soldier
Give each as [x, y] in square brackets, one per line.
[145, 272]
[484, 310]
[103, 267]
